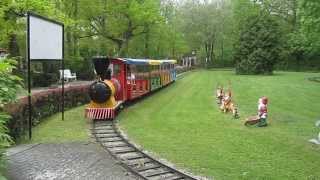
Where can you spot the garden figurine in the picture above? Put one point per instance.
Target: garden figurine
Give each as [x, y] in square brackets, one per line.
[316, 140]
[227, 105]
[219, 95]
[263, 111]
[226, 100]
[234, 110]
[261, 118]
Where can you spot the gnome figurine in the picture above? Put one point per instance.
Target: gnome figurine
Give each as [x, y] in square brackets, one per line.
[262, 112]
[316, 140]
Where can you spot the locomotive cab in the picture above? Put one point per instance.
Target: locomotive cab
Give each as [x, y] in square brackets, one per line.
[102, 92]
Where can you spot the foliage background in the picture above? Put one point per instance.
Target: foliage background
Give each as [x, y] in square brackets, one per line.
[161, 29]
[9, 85]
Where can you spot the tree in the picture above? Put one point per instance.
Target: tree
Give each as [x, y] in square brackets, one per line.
[119, 21]
[258, 49]
[310, 19]
[206, 25]
[298, 47]
[285, 10]
[12, 13]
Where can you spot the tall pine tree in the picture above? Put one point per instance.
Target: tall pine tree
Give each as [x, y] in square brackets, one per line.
[258, 49]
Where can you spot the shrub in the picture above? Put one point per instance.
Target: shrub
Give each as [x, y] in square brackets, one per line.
[9, 84]
[44, 104]
[258, 48]
[43, 79]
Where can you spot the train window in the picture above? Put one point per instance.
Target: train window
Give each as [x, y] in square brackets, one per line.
[111, 69]
[115, 70]
[140, 68]
[133, 69]
[154, 68]
[129, 71]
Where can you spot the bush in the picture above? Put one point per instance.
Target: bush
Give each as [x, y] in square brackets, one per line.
[43, 104]
[9, 84]
[258, 48]
[43, 79]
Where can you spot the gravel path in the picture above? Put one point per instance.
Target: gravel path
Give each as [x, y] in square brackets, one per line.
[63, 161]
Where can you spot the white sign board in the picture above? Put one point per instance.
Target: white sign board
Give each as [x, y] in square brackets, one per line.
[45, 39]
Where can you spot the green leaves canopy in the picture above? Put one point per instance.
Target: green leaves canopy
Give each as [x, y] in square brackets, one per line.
[258, 49]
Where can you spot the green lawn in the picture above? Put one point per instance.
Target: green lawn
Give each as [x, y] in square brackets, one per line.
[54, 130]
[183, 124]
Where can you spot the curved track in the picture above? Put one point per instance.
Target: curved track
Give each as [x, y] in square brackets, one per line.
[133, 159]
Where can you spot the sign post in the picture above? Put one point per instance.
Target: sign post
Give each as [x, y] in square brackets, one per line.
[45, 42]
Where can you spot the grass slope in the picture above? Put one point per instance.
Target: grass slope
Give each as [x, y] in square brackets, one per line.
[183, 124]
[54, 130]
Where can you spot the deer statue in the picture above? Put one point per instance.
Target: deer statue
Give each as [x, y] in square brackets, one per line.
[227, 105]
[219, 94]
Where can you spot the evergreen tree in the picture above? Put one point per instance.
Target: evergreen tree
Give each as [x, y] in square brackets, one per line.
[258, 49]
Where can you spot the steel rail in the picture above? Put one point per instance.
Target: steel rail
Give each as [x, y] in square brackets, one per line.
[132, 158]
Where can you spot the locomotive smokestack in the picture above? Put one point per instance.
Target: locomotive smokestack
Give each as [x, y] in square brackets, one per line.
[101, 65]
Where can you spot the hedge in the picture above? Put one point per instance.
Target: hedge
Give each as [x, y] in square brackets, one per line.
[44, 104]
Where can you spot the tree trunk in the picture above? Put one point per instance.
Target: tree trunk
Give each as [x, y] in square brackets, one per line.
[14, 52]
[294, 15]
[13, 46]
[126, 52]
[207, 51]
[119, 46]
[222, 51]
[146, 45]
[69, 43]
[211, 52]
[298, 61]
[75, 33]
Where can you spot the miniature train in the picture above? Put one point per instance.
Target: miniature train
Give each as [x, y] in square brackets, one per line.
[123, 79]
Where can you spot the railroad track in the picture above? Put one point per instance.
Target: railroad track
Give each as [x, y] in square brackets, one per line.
[131, 158]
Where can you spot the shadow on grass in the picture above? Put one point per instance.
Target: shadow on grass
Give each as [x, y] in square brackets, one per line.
[276, 73]
[314, 79]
